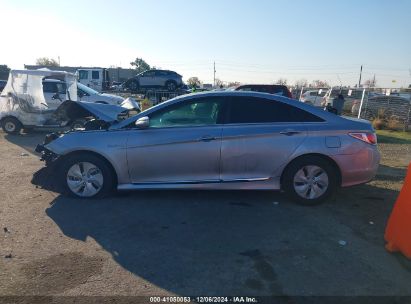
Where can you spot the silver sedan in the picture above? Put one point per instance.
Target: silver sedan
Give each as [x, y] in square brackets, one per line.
[219, 140]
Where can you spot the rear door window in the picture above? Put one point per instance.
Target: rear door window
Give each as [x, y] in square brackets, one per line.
[149, 74]
[259, 110]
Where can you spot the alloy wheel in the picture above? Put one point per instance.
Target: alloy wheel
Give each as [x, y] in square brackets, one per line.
[85, 179]
[311, 182]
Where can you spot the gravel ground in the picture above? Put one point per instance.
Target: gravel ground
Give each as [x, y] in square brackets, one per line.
[194, 242]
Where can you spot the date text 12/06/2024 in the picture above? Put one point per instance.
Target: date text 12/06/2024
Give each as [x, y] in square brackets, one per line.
[203, 299]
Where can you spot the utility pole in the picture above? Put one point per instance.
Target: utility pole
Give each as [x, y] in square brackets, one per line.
[359, 82]
[214, 75]
[59, 59]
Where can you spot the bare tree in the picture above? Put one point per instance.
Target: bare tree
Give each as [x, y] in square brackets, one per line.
[45, 61]
[319, 83]
[301, 83]
[219, 83]
[233, 84]
[194, 82]
[371, 83]
[282, 81]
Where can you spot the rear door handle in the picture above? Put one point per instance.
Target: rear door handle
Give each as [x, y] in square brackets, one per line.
[289, 132]
[207, 138]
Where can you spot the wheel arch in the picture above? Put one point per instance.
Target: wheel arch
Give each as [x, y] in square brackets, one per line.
[324, 157]
[102, 157]
[10, 116]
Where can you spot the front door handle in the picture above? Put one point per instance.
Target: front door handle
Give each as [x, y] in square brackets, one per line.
[289, 132]
[207, 138]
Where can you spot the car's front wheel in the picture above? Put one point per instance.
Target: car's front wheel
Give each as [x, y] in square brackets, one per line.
[11, 125]
[310, 180]
[86, 176]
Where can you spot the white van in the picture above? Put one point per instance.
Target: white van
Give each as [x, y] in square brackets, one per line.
[95, 78]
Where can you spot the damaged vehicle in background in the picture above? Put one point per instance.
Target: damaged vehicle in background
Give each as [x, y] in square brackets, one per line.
[53, 88]
[25, 105]
[219, 140]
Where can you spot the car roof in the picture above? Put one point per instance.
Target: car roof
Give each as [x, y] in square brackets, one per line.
[293, 102]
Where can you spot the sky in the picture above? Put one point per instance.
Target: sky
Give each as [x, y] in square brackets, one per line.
[257, 41]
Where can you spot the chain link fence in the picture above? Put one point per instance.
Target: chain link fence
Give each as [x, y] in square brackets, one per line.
[390, 108]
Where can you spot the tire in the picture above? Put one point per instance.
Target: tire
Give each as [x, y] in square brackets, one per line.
[134, 85]
[11, 125]
[171, 86]
[310, 180]
[86, 176]
[78, 124]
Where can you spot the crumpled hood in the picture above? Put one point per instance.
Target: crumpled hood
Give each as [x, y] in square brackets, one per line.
[113, 97]
[71, 110]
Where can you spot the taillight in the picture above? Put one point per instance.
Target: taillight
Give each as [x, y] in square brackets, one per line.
[368, 137]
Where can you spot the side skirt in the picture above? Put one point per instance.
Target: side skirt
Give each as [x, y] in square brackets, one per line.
[254, 184]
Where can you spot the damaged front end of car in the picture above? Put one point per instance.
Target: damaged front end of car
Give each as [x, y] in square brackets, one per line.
[95, 117]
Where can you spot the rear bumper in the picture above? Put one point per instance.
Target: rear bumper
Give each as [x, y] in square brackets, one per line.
[358, 168]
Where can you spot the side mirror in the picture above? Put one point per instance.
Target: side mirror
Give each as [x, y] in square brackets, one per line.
[143, 122]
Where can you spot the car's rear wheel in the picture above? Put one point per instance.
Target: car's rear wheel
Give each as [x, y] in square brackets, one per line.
[310, 180]
[11, 125]
[171, 86]
[86, 176]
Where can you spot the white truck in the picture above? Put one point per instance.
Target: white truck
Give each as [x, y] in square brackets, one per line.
[26, 103]
[95, 78]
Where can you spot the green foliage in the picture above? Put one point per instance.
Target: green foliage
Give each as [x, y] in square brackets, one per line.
[140, 65]
[394, 137]
[4, 72]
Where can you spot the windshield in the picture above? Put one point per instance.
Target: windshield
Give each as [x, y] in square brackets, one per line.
[86, 89]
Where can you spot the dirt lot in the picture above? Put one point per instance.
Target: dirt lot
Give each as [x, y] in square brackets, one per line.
[194, 242]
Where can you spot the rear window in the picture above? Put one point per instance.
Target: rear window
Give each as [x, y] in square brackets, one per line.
[259, 110]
